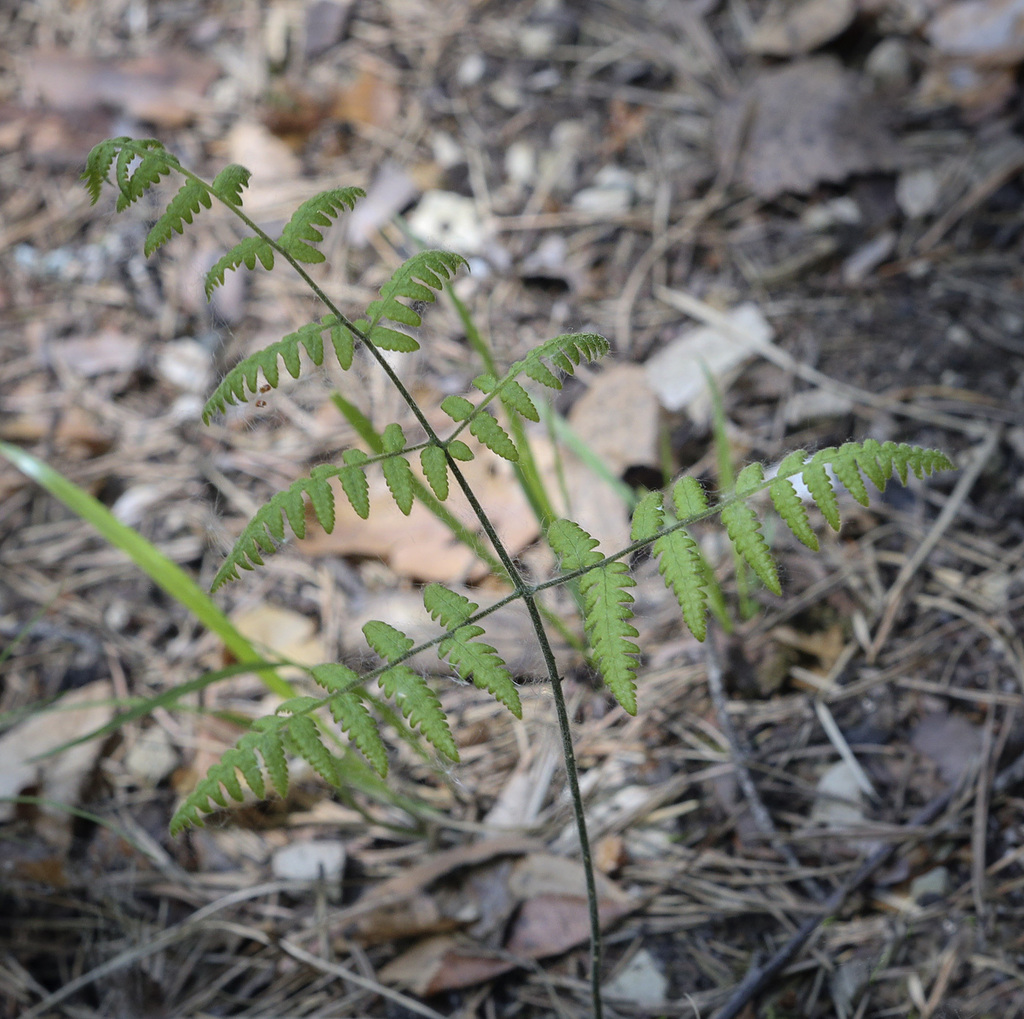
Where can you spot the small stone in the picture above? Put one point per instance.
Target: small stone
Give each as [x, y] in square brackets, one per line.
[471, 71]
[309, 861]
[918, 192]
[933, 884]
[640, 983]
[888, 64]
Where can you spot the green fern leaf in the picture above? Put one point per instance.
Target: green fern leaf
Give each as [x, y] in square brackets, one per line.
[493, 436]
[265, 737]
[847, 470]
[98, 163]
[351, 714]
[245, 376]
[573, 546]
[416, 279]
[685, 572]
[460, 451]
[435, 470]
[154, 162]
[744, 530]
[458, 408]
[474, 661]
[389, 643]
[819, 484]
[420, 705]
[310, 216]
[513, 396]
[648, 517]
[564, 352]
[190, 199]
[689, 499]
[353, 481]
[265, 531]
[606, 611]
[228, 184]
[397, 472]
[305, 740]
[790, 506]
[246, 252]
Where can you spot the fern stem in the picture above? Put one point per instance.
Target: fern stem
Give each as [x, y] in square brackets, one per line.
[527, 593]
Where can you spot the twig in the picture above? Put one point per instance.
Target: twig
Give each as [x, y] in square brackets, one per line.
[739, 752]
[945, 518]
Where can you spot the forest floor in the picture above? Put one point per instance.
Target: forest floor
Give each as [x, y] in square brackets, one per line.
[830, 192]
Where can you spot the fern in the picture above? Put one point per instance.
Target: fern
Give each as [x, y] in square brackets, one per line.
[474, 661]
[188, 202]
[304, 227]
[246, 374]
[662, 522]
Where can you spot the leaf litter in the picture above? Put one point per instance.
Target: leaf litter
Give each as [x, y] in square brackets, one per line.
[723, 163]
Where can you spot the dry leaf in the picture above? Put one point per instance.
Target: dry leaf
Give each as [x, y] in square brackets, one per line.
[283, 631]
[57, 778]
[371, 100]
[165, 89]
[801, 27]
[808, 123]
[988, 32]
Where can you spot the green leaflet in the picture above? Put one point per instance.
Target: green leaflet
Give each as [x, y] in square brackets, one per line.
[305, 225]
[246, 252]
[228, 184]
[606, 611]
[573, 546]
[474, 661]
[493, 436]
[420, 705]
[391, 644]
[684, 570]
[246, 374]
[647, 517]
[744, 531]
[350, 712]
[435, 470]
[187, 203]
[353, 481]
[397, 472]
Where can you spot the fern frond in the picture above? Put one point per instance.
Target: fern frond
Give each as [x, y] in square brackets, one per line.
[302, 737]
[685, 572]
[397, 472]
[420, 705]
[154, 162]
[389, 642]
[304, 226]
[266, 738]
[648, 516]
[606, 608]
[573, 546]
[744, 530]
[348, 710]
[819, 484]
[565, 352]
[493, 436]
[191, 198]
[788, 504]
[513, 396]
[689, 498]
[435, 470]
[265, 531]
[246, 374]
[458, 408]
[245, 252]
[415, 280]
[460, 451]
[229, 182]
[98, 164]
[606, 615]
[354, 483]
[474, 660]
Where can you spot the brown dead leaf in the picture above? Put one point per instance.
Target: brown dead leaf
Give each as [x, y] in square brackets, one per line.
[371, 100]
[57, 778]
[284, 631]
[808, 123]
[546, 895]
[165, 89]
[617, 418]
[801, 27]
